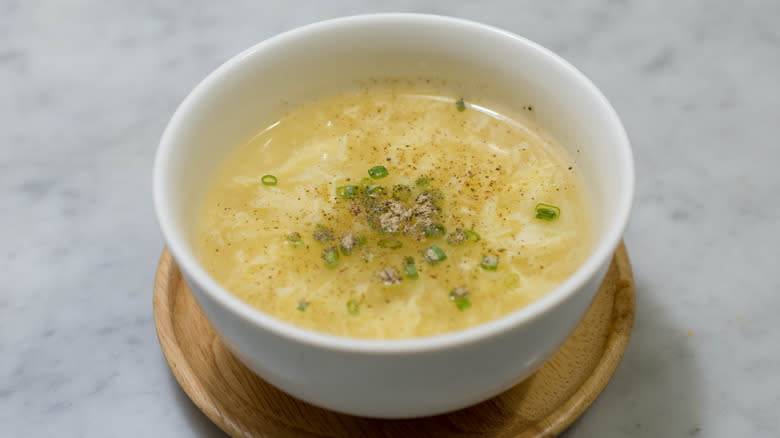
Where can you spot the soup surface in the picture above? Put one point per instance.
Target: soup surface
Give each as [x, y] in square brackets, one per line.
[393, 212]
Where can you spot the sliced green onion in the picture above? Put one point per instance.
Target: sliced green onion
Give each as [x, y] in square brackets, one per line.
[423, 181]
[434, 231]
[402, 192]
[365, 183]
[330, 256]
[389, 243]
[460, 296]
[303, 305]
[460, 105]
[547, 212]
[377, 172]
[376, 191]
[433, 255]
[489, 262]
[268, 180]
[472, 236]
[353, 307]
[462, 303]
[348, 192]
[459, 237]
[409, 269]
[361, 240]
[294, 239]
[322, 233]
[511, 280]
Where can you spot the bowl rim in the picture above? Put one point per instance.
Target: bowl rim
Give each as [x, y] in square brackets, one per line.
[187, 262]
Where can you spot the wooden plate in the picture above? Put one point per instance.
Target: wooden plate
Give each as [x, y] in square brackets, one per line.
[244, 405]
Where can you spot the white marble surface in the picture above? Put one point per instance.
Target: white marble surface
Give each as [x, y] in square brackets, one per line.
[87, 87]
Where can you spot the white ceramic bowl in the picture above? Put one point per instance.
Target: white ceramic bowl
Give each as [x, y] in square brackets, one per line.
[399, 378]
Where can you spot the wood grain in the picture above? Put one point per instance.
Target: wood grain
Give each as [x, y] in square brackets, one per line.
[543, 405]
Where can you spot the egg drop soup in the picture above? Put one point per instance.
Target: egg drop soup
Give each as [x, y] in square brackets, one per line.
[394, 211]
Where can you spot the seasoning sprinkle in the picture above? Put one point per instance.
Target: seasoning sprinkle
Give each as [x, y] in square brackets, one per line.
[303, 305]
[389, 276]
[460, 105]
[347, 243]
[457, 237]
[410, 270]
[433, 195]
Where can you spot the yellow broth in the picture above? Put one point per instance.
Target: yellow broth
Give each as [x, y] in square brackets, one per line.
[492, 170]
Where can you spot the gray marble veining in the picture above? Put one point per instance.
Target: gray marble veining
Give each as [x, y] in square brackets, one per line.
[87, 87]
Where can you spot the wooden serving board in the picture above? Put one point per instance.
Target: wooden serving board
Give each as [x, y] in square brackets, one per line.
[244, 405]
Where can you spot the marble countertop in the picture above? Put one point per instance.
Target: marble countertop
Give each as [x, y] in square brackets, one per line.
[86, 89]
